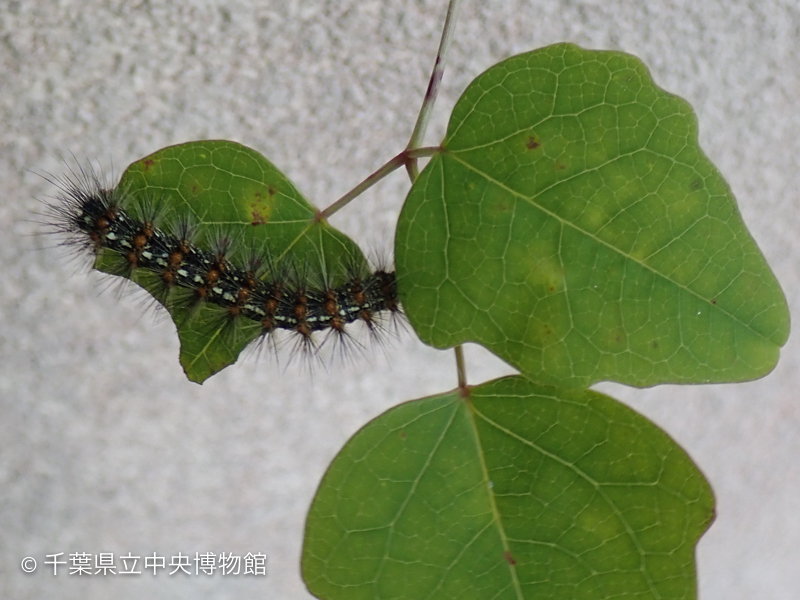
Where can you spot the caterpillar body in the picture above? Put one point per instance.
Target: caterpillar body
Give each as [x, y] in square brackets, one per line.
[193, 270]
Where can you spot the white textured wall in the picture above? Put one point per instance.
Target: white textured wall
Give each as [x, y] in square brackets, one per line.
[105, 447]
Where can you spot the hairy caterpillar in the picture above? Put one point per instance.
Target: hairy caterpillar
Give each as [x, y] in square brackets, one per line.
[135, 236]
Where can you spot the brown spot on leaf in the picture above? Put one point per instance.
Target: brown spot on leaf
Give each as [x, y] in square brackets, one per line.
[261, 206]
[509, 559]
[533, 143]
[148, 163]
[260, 216]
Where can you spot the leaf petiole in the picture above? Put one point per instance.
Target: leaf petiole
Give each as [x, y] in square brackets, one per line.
[394, 163]
[461, 368]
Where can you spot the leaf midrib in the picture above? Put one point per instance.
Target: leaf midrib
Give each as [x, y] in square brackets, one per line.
[583, 475]
[600, 241]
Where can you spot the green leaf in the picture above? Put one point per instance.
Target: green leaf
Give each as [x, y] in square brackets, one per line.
[572, 225]
[518, 491]
[229, 190]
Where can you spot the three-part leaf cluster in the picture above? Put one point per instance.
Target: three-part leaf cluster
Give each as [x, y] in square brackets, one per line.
[571, 225]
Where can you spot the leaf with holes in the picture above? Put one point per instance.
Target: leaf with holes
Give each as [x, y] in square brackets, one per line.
[572, 225]
[228, 190]
[517, 491]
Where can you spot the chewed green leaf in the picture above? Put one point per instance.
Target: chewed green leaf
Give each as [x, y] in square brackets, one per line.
[516, 492]
[226, 190]
[573, 226]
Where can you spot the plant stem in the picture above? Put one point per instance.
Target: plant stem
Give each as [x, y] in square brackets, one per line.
[461, 368]
[413, 151]
[395, 163]
[422, 126]
[436, 79]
